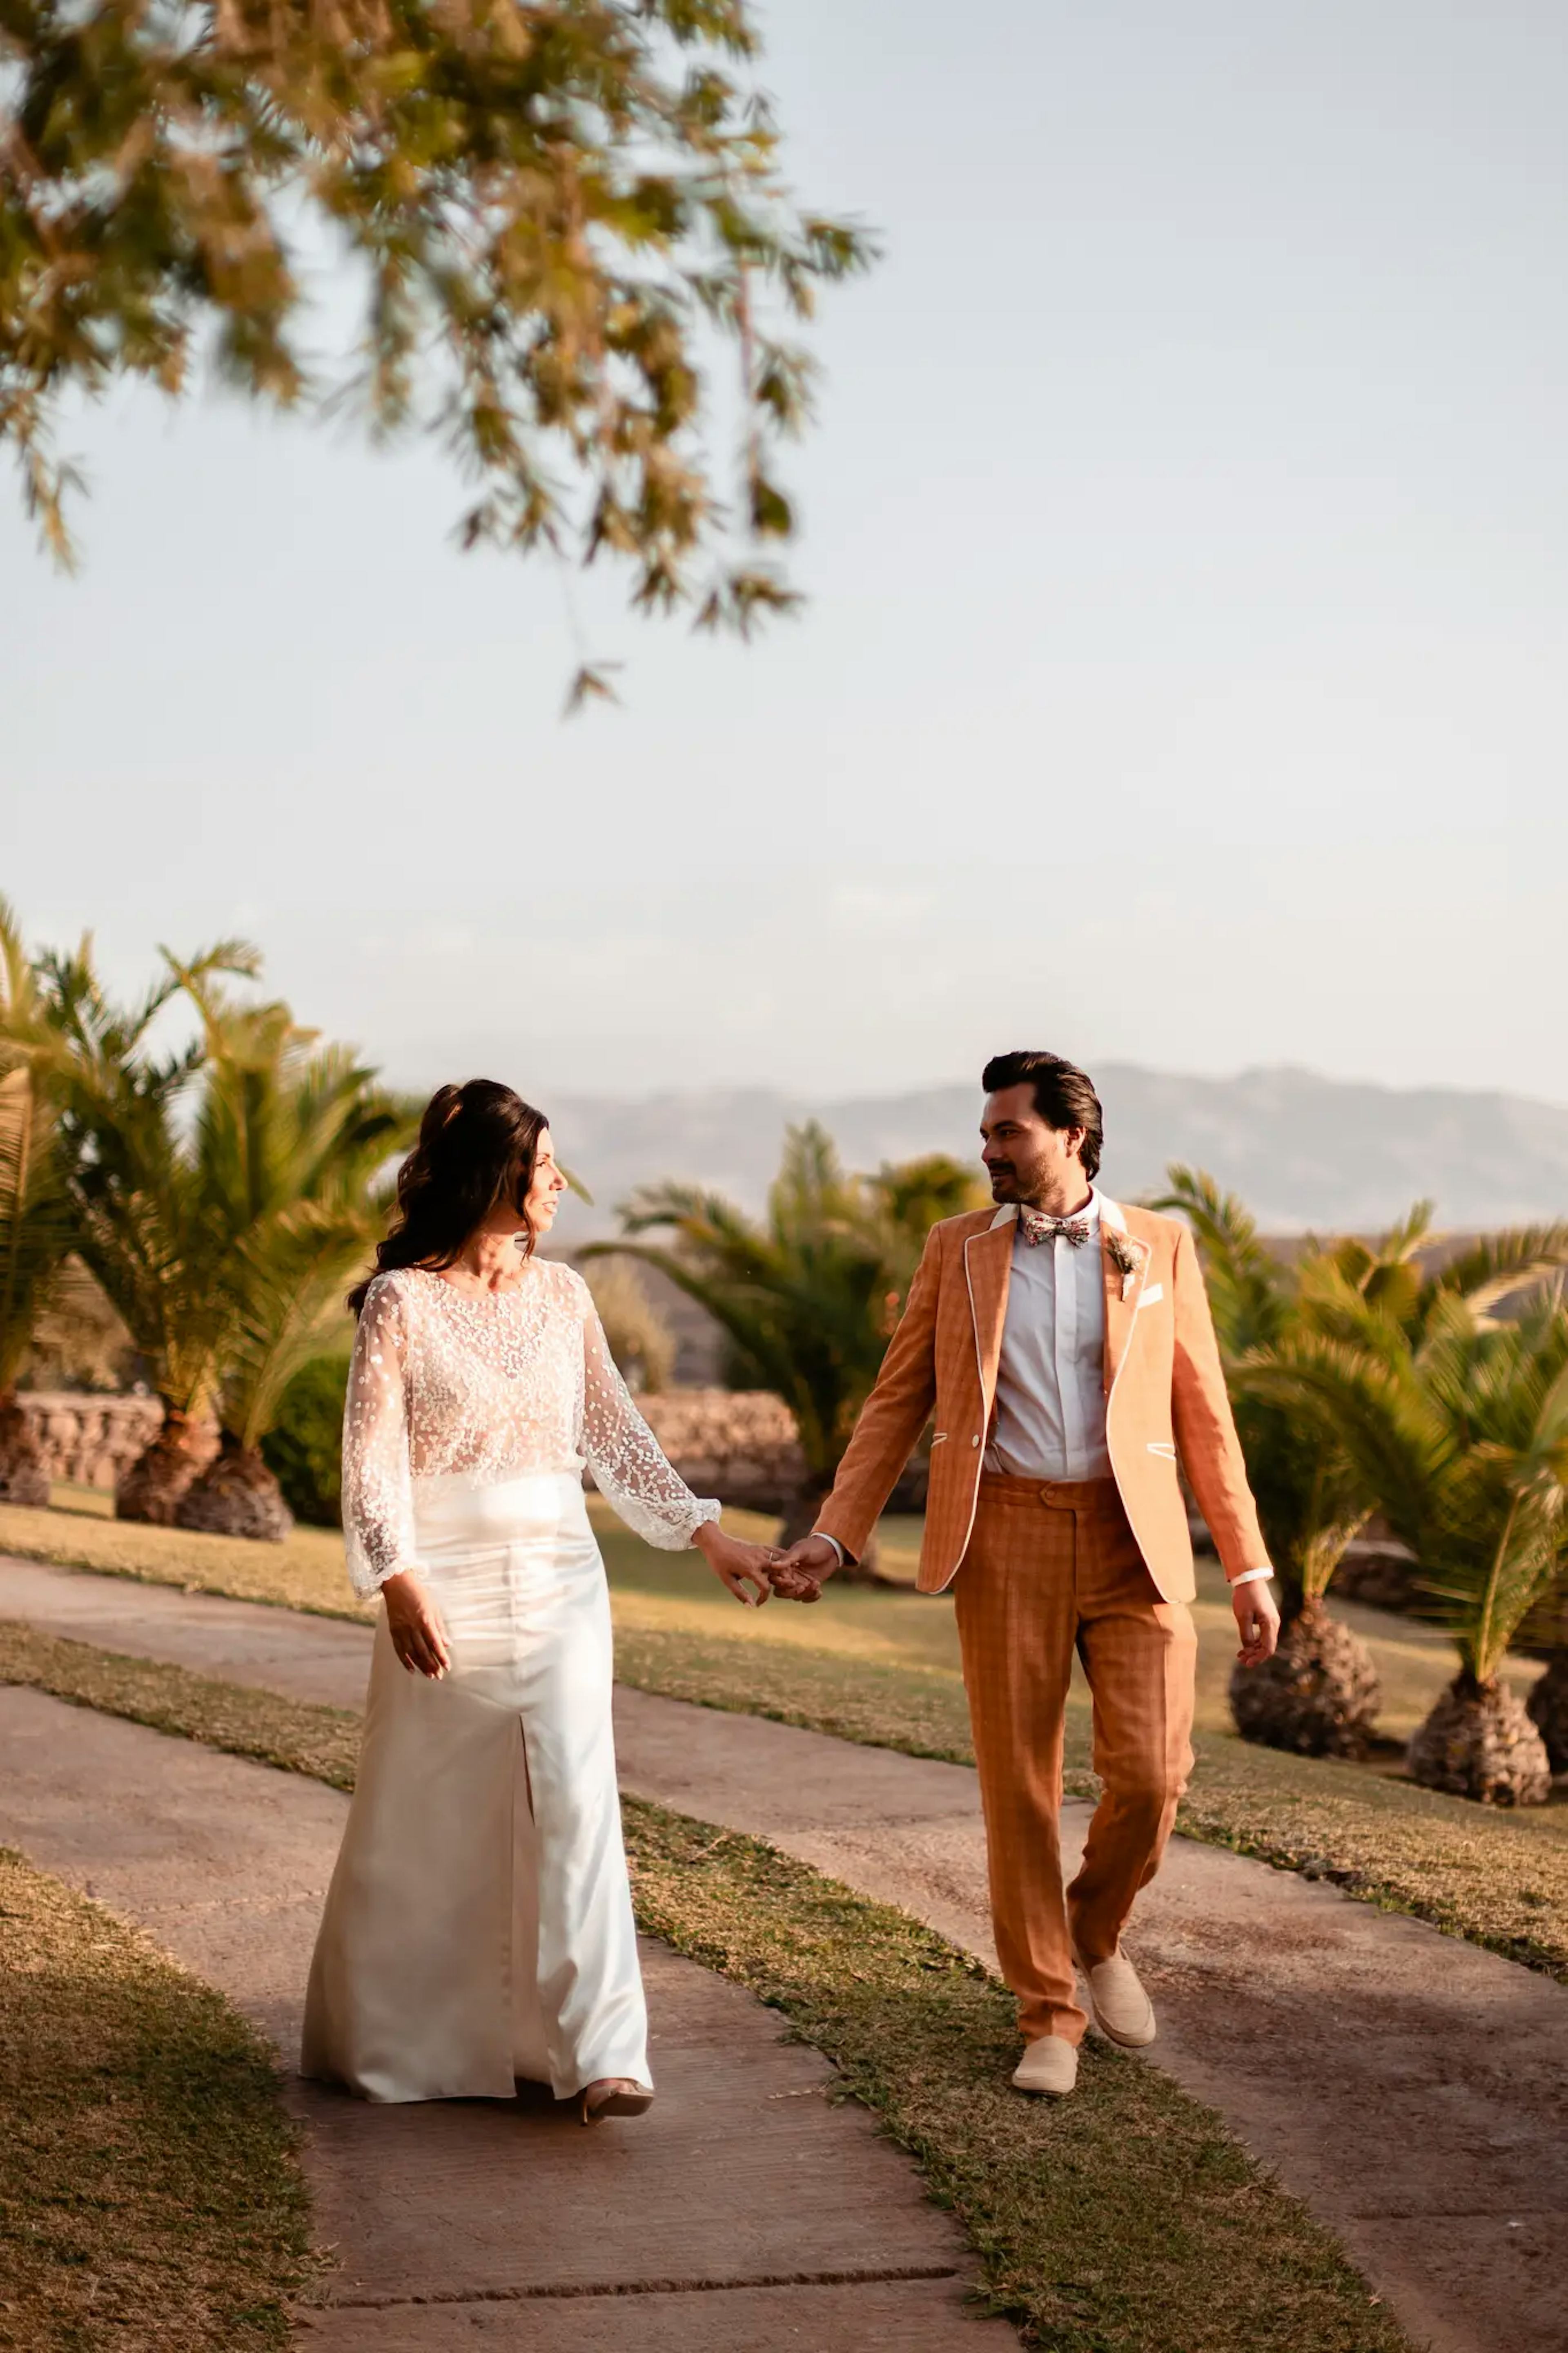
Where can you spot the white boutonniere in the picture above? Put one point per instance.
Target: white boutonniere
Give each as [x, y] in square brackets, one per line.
[1127, 1257]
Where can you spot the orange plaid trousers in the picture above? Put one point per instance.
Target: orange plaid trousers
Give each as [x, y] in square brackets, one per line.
[1052, 1567]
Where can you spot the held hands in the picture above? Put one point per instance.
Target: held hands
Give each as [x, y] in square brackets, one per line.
[744, 1568]
[800, 1573]
[794, 1576]
[417, 1635]
[1256, 1622]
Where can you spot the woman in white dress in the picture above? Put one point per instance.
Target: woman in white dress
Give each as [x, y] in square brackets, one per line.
[479, 1925]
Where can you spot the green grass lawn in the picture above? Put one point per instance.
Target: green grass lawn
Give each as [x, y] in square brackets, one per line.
[151, 2199]
[676, 1593]
[1125, 2220]
[677, 1590]
[880, 1666]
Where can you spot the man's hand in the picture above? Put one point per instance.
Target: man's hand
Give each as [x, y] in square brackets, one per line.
[799, 1574]
[1256, 1621]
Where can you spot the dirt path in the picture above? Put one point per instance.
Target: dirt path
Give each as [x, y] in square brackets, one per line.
[1409, 2087]
[744, 2210]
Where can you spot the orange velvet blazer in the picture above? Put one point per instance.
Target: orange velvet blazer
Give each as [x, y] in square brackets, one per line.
[1164, 1394]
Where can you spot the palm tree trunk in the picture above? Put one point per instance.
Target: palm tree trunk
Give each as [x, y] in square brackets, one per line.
[237, 1496]
[24, 1478]
[1318, 1695]
[152, 1488]
[1479, 1743]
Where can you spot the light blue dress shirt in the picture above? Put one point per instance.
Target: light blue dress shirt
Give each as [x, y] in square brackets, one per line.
[1050, 1380]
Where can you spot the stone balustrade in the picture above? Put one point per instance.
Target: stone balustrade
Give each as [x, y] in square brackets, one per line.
[89, 1439]
[737, 1444]
[740, 1445]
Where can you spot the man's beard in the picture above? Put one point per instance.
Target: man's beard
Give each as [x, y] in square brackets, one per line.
[1011, 1183]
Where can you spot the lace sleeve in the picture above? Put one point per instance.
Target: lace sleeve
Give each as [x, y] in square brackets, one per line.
[625, 1457]
[378, 1496]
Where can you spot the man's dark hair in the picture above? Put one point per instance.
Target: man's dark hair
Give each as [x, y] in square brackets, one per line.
[1064, 1096]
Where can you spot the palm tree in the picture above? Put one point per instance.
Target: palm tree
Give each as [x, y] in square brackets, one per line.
[807, 1295]
[1460, 1430]
[289, 1139]
[1319, 1693]
[142, 1221]
[36, 1225]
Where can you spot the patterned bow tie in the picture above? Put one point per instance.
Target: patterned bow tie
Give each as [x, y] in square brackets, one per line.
[1037, 1228]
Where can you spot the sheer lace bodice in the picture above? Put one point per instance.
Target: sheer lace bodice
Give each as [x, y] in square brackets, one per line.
[519, 1381]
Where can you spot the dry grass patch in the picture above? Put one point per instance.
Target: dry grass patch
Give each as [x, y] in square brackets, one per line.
[1498, 1879]
[78, 1531]
[676, 1593]
[323, 1742]
[1126, 2220]
[882, 1668]
[150, 2196]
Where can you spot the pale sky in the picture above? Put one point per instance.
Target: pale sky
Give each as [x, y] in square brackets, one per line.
[1183, 680]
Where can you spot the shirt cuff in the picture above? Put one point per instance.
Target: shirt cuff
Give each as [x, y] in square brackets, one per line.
[1250, 1577]
[837, 1547]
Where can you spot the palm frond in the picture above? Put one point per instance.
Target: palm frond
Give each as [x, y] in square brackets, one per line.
[807, 1295]
[1358, 1403]
[1249, 1288]
[1492, 1268]
[37, 1227]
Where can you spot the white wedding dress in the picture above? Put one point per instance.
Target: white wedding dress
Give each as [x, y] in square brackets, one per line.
[479, 1925]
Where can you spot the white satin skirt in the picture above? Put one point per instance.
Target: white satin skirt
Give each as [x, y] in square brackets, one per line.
[479, 1925]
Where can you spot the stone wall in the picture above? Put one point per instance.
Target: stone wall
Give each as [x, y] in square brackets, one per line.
[740, 1445]
[86, 1438]
[737, 1444]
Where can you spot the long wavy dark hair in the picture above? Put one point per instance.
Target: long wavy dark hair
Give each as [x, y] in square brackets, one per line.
[478, 1145]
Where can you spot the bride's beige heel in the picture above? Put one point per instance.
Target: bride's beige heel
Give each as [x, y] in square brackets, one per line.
[622, 2098]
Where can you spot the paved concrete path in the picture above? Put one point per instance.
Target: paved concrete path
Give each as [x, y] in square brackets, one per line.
[745, 2211]
[1411, 2088]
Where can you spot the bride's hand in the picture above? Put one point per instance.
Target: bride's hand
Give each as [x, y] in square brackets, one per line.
[417, 1635]
[736, 1564]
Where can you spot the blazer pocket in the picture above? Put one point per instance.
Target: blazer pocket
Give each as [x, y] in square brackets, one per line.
[1163, 1448]
[1156, 1290]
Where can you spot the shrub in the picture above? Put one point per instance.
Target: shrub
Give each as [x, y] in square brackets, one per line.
[304, 1451]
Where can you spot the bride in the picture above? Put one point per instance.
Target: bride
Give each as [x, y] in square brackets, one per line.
[479, 1924]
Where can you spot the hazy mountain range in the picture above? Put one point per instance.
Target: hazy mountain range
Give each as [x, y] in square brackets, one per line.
[1302, 1150]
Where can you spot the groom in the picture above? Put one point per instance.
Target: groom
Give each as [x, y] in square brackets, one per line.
[1064, 1345]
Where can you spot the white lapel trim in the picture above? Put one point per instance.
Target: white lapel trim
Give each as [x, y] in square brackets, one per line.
[1004, 1216]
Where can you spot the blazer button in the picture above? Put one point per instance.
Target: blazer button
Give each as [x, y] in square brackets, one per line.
[975, 1441]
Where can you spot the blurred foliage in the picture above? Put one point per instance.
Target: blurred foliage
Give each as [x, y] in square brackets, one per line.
[303, 1449]
[640, 1338]
[37, 1225]
[553, 216]
[79, 1342]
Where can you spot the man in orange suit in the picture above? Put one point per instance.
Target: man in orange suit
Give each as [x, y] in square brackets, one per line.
[1064, 1347]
